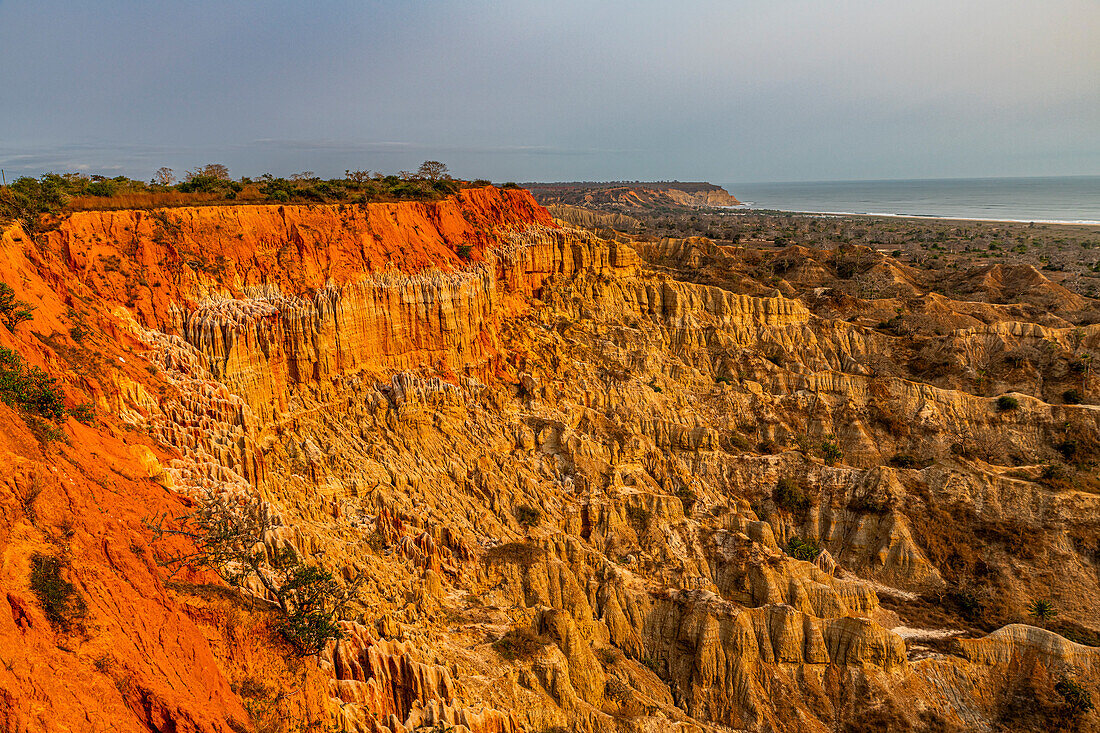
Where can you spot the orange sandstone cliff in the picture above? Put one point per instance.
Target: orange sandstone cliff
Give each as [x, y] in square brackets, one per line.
[515, 430]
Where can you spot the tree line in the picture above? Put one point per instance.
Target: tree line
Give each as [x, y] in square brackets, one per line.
[26, 198]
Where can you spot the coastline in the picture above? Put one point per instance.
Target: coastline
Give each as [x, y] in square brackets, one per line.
[913, 217]
[1057, 200]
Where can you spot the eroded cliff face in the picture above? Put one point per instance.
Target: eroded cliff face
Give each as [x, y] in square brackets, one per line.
[511, 425]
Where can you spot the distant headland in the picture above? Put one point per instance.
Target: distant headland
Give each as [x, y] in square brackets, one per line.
[632, 196]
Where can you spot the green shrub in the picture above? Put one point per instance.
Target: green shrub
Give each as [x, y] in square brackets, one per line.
[29, 388]
[527, 515]
[26, 199]
[800, 549]
[1042, 610]
[1076, 697]
[511, 184]
[464, 251]
[830, 451]
[59, 599]
[790, 496]
[311, 598]
[105, 188]
[1007, 402]
[45, 432]
[1071, 397]
[967, 604]
[84, 413]
[12, 311]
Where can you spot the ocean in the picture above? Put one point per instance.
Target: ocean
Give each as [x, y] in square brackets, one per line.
[1073, 199]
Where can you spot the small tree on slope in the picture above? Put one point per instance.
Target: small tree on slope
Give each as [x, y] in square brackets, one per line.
[228, 538]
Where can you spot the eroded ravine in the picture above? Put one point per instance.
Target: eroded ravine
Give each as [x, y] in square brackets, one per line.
[399, 405]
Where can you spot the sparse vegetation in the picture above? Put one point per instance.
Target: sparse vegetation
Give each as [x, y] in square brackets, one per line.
[1042, 610]
[1056, 476]
[28, 495]
[45, 432]
[28, 387]
[528, 515]
[869, 404]
[28, 198]
[801, 549]
[1006, 403]
[520, 643]
[831, 452]
[228, 537]
[870, 502]
[1074, 695]
[84, 413]
[13, 311]
[790, 496]
[59, 598]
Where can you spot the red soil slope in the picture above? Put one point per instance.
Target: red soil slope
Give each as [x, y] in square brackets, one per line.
[143, 658]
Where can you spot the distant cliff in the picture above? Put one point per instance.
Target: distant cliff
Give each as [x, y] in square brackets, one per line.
[632, 196]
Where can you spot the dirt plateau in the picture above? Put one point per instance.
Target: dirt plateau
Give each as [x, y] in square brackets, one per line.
[400, 382]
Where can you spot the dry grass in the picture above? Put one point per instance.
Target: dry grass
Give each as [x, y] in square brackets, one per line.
[160, 199]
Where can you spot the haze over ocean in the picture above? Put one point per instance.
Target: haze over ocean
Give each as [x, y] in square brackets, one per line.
[534, 91]
[1057, 199]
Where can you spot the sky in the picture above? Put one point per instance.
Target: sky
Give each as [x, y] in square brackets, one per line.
[719, 90]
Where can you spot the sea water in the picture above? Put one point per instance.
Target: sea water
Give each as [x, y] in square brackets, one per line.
[1066, 199]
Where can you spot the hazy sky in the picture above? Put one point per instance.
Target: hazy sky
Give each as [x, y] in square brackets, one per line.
[722, 90]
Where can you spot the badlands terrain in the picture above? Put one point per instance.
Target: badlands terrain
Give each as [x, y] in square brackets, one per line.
[591, 473]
